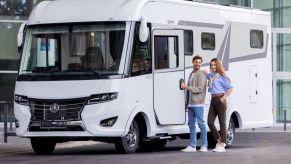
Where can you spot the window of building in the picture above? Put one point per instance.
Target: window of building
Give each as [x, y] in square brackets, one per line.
[188, 42]
[256, 39]
[208, 41]
[166, 52]
[283, 90]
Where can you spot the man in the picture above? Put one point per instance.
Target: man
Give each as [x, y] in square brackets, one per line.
[196, 91]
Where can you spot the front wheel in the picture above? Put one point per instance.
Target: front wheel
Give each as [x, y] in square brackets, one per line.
[230, 133]
[129, 143]
[43, 146]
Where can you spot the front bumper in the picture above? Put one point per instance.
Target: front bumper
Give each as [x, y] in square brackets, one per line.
[91, 116]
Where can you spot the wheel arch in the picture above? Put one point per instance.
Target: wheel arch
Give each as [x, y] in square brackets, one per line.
[142, 120]
[235, 116]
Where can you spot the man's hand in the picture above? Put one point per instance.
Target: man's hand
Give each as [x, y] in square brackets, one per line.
[184, 86]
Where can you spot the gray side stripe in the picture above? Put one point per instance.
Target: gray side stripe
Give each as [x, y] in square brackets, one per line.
[253, 56]
[205, 64]
[222, 47]
[225, 60]
[200, 24]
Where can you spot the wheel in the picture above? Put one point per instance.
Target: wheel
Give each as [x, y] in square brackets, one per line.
[129, 143]
[153, 145]
[42, 145]
[230, 133]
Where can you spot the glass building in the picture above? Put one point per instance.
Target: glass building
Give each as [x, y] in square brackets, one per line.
[14, 12]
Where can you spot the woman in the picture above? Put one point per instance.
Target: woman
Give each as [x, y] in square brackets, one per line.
[220, 88]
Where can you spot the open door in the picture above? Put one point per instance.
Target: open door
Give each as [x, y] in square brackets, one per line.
[169, 100]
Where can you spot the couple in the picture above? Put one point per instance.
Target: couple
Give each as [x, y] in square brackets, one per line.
[220, 88]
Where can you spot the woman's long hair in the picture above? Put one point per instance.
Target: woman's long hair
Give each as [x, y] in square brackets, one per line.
[219, 66]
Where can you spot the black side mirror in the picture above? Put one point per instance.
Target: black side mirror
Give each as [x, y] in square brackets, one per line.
[20, 36]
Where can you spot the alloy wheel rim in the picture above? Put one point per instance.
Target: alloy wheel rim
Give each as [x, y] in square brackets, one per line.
[131, 136]
[230, 134]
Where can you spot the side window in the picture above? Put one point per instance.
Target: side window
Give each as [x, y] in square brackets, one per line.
[256, 39]
[188, 42]
[208, 41]
[166, 52]
[141, 59]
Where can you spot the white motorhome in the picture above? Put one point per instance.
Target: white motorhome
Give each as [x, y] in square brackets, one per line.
[110, 70]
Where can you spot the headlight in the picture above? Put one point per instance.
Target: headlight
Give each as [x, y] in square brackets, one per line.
[23, 100]
[103, 97]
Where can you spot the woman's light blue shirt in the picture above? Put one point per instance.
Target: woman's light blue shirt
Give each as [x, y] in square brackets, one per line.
[220, 84]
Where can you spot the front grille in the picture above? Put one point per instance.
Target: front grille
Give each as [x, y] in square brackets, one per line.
[68, 110]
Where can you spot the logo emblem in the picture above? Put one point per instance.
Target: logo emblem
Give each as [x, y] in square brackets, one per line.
[54, 108]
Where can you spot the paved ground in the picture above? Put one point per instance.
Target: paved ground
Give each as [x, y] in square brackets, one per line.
[250, 147]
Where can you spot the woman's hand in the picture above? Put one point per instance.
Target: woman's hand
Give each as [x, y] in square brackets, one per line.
[222, 99]
[205, 72]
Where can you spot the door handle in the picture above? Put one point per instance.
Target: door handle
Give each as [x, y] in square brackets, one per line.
[180, 83]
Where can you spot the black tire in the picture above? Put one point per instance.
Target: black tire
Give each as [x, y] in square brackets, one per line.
[43, 146]
[230, 133]
[152, 145]
[211, 141]
[129, 143]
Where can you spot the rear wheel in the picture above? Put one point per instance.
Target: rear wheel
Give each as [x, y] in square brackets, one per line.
[153, 145]
[230, 133]
[129, 143]
[42, 145]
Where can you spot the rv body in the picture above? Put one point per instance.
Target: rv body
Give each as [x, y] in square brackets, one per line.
[61, 95]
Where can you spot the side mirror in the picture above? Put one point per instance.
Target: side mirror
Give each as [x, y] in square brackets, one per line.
[143, 32]
[20, 37]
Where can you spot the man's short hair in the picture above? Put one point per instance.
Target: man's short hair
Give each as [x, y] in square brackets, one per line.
[197, 57]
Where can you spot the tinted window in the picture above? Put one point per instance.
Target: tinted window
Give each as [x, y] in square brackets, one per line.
[256, 39]
[166, 52]
[208, 41]
[141, 59]
[188, 42]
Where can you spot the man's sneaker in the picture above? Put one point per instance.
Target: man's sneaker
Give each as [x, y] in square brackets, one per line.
[219, 148]
[203, 149]
[189, 149]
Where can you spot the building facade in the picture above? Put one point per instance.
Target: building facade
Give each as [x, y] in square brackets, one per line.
[14, 12]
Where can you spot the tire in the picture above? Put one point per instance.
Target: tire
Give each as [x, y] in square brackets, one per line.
[42, 146]
[129, 143]
[153, 145]
[230, 133]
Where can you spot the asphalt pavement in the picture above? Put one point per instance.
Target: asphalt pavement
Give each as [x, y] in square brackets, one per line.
[266, 146]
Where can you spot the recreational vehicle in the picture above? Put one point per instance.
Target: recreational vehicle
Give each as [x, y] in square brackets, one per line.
[110, 71]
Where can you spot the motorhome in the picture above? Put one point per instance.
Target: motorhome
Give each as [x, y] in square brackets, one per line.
[110, 71]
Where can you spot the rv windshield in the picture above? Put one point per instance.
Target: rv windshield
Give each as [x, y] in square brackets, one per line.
[72, 51]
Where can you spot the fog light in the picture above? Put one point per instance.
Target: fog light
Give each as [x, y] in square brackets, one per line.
[109, 121]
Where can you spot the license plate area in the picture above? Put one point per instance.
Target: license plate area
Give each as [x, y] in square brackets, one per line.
[53, 124]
